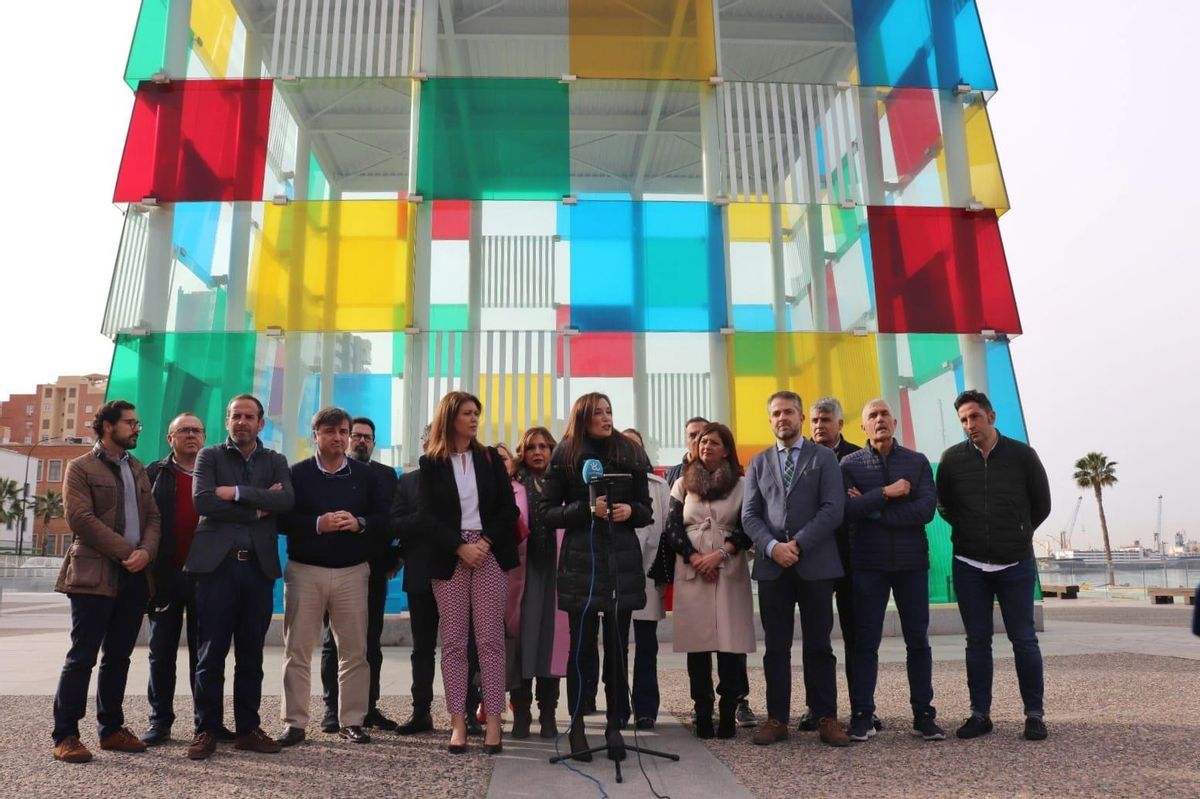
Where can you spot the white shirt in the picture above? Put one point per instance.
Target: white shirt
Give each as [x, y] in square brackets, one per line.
[468, 491]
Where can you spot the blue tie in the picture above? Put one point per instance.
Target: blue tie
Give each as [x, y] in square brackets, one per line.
[789, 469]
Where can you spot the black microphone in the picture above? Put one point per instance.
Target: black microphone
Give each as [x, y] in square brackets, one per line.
[593, 471]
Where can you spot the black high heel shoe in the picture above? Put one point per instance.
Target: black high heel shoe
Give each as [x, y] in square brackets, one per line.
[496, 748]
[456, 749]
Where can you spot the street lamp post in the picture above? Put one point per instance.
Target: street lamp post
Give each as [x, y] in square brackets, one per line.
[25, 493]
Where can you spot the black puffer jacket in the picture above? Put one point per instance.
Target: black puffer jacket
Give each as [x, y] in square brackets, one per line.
[564, 504]
[994, 505]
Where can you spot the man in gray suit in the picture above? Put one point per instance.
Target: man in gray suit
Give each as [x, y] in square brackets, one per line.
[239, 488]
[793, 504]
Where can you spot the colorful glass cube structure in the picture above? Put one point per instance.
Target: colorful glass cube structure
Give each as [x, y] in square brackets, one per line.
[686, 204]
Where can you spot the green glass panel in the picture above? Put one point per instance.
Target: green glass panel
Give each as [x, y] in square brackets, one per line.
[932, 354]
[755, 353]
[149, 44]
[166, 374]
[447, 317]
[318, 184]
[493, 139]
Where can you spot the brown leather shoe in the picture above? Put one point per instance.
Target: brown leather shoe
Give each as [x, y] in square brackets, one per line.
[72, 750]
[257, 741]
[202, 746]
[832, 733]
[123, 740]
[770, 732]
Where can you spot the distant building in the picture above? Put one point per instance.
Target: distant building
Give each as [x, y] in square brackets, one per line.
[46, 472]
[62, 410]
[12, 467]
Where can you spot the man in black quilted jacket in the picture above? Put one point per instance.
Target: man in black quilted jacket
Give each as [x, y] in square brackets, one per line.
[994, 493]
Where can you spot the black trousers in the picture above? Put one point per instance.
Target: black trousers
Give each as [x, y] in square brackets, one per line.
[377, 584]
[234, 603]
[423, 618]
[731, 671]
[584, 634]
[99, 622]
[645, 669]
[547, 693]
[777, 603]
[167, 626]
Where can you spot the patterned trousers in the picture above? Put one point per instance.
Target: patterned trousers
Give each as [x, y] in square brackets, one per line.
[479, 593]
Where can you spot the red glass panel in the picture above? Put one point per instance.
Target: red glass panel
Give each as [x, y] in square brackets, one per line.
[940, 270]
[914, 127]
[452, 220]
[595, 354]
[196, 140]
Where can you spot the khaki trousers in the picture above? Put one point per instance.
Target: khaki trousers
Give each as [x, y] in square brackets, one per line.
[309, 592]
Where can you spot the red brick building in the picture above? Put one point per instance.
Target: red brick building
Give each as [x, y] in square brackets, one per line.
[60, 410]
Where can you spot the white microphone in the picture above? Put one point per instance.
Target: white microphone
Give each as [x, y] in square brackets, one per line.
[593, 470]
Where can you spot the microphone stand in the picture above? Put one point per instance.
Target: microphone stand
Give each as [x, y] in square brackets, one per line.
[614, 746]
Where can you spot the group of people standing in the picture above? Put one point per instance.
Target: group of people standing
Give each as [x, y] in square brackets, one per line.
[527, 568]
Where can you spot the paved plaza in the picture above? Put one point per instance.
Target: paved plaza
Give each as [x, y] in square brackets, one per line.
[1123, 714]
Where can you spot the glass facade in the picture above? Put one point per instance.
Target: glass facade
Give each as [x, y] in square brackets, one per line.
[687, 205]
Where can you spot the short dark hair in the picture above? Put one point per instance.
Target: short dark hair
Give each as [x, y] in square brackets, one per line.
[109, 412]
[971, 395]
[363, 420]
[261, 410]
[329, 417]
[693, 421]
[641, 439]
[790, 396]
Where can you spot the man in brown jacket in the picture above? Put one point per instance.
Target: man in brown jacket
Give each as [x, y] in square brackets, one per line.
[116, 529]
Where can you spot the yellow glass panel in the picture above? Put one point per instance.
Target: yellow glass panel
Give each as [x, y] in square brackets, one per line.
[334, 266]
[987, 183]
[749, 222]
[812, 365]
[500, 408]
[213, 23]
[642, 39]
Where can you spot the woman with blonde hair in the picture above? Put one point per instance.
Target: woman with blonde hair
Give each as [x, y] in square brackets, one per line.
[585, 584]
[713, 610]
[538, 632]
[466, 500]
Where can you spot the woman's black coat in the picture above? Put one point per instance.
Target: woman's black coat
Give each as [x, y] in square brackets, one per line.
[565, 504]
[439, 509]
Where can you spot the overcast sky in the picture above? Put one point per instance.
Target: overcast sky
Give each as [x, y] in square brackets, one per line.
[1096, 137]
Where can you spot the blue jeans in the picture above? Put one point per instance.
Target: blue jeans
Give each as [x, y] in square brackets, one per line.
[166, 628]
[1013, 587]
[97, 622]
[871, 591]
[234, 603]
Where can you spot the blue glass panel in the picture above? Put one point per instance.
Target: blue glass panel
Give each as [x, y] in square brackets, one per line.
[647, 266]
[195, 235]
[367, 395]
[1002, 391]
[921, 43]
[754, 318]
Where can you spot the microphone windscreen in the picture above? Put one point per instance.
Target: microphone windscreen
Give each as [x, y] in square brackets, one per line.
[592, 469]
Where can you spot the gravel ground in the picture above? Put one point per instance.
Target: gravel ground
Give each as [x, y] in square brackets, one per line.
[1120, 725]
[1118, 612]
[322, 766]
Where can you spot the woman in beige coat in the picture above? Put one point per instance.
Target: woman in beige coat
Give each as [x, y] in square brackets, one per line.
[714, 610]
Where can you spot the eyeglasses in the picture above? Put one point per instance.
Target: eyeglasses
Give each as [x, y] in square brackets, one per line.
[134, 424]
[361, 437]
[189, 431]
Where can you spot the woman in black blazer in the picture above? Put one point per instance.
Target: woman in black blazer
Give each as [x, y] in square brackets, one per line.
[466, 500]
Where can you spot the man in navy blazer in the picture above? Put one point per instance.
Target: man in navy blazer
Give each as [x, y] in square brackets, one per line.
[794, 500]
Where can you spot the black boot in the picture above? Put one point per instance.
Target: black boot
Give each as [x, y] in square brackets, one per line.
[522, 717]
[727, 722]
[547, 700]
[578, 740]
[704, 721]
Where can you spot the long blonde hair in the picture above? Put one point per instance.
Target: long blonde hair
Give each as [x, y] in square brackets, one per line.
[518, 463]
[441, 430]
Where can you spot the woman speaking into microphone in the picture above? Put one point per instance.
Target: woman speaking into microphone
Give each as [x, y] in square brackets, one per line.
[585, 580]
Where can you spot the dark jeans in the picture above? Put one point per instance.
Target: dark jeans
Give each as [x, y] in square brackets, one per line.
[423, 617]
[843, 595]
[377, 585]
[584, 631]
[234, 603]
[730, 671]
[645, 669]
[777, 601]
[1013, 587]
[871, 590]
[166, 628]
[99, 623]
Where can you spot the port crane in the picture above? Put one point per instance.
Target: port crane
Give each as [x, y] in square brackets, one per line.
[1064, 537]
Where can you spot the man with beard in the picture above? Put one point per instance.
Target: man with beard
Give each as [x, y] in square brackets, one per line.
[116, 527]
[384, 563]
[793, 502]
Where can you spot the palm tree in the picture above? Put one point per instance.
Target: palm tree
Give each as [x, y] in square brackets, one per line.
[1095, 471]
[46, 507]
[10, 501]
